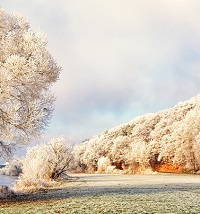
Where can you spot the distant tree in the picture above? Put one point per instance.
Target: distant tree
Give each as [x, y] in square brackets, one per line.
[27, 71]
[188, 141]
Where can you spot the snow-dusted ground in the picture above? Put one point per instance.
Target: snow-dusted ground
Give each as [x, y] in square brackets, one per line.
[102, 193]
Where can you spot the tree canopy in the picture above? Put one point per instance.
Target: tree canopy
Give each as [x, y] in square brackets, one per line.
[27, 71]
[167, 141]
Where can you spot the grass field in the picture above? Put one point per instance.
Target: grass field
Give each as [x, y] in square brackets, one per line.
[100, 193]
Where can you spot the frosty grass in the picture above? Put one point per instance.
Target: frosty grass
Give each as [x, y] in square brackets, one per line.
[101, 193]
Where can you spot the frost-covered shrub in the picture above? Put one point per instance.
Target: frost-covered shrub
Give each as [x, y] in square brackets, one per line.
[12, 168]
[103, 164]
[44, 163]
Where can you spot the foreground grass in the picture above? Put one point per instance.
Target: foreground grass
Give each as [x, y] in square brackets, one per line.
[162, 193]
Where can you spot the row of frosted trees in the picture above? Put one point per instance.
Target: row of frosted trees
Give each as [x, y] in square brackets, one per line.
[166, 141]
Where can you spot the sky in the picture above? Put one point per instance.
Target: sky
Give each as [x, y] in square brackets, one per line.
[119, 59]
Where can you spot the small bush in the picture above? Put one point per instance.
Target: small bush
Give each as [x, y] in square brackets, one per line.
[103, 163]
[43, 164]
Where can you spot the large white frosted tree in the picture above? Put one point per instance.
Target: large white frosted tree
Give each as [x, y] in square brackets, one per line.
[27, 71]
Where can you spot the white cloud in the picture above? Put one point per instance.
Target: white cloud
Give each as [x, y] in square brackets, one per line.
[119, 58]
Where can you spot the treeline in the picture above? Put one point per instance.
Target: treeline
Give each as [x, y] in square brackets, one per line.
[166, 141]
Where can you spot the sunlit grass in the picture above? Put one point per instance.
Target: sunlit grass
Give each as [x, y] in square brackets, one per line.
[178, 202]
[168, 194]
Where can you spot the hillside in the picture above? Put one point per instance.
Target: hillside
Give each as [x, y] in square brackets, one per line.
[165, 141]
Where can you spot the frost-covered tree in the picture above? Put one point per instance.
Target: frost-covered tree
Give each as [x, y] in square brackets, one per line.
[27, 71]
[188, 145]
[44, 163]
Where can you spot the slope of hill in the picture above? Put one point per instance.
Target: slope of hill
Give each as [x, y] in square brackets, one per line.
[165, 141]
